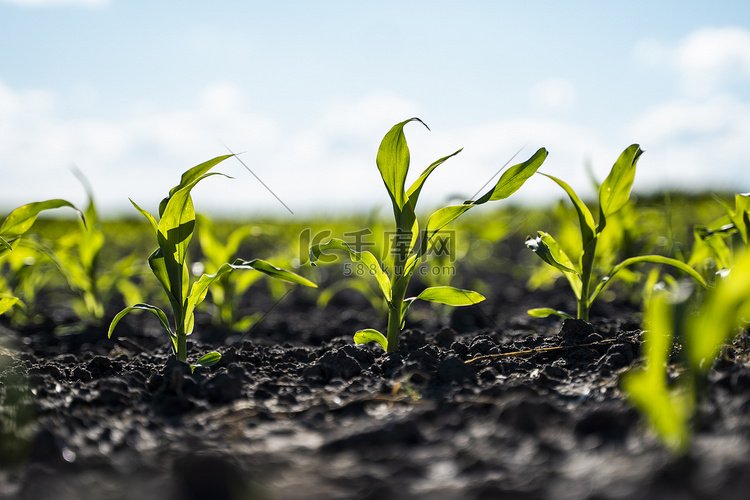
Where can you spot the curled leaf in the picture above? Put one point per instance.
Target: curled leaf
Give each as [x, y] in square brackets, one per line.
[544, 312]
[370, 335]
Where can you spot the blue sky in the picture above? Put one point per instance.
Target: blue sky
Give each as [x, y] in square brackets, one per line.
[134, 92]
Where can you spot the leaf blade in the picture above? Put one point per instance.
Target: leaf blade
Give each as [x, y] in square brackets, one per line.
[365, 257]
[393, 163]
[614, 192]
[449, 295]
[585, 218]
[22, 218]
[369, 335]
[513, 178]
[544, 312]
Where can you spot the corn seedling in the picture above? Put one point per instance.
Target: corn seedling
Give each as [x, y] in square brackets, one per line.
[722, 315]
[711, 253]
[79, 254]
[393, 163]
[174, 231]
[227, 290]
[15, 225]
[614, 194]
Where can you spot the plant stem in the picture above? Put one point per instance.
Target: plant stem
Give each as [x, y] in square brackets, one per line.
[587, 267]
[394, 313]
[181, 344]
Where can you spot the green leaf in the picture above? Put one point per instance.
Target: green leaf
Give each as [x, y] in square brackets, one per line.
[438, 220]
[370, 335]
[158, 265]
[393, 163]
[206, 360]
[709, 247]
[413, 192]
[543, 312]
[273, 271]
[199, 290]
[192, 176]
[449, 295]
[721, 317]
[6, 302]
[668, 411]
[586, 220]
[615, 190]
[145, 307]
[513, 178]
[550, 252]
[4, 245]
[148, 216]
[175, 231]
[22, 218]
[366, 258]
[739, 216]
[509, 183]
[176, 227]
[656, 259]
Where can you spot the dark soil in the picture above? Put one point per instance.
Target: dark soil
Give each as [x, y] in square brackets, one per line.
[472, 407]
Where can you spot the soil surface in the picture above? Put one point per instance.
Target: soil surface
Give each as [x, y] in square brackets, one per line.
[480, 403]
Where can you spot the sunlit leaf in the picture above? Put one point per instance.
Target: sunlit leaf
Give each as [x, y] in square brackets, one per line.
[720, 317]
[513, 178]
[148, 216]
[370, 335]
[667, 410]
[450, 296]
[22, 218]
[586, 220]
[656, 259]
[144, 307]
[4, 245]
[6, 302]
[393, 163]
[273, 271]
[550, 252]
[413, 192]
[615, 190]
[158, 265]
[206, 360]
[438, 220]
[191, 176]
[544, 312]
[365, 257]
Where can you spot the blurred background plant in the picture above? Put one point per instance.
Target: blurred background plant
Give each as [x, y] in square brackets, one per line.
[686, 335]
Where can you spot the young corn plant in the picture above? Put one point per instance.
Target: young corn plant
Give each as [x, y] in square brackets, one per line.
[393, 163]
[174, 231]
[15, 225]
[722, 315]
[710, 250]
[79, 254]
[227, 290]
[614, 194]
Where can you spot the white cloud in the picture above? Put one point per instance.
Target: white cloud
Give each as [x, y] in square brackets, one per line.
[141, 155]
[553, 94]
[698, 139]
[696, 144]
[46, 3]
[705, 61]
[330, 162]
[712, 50]
[650, 52]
